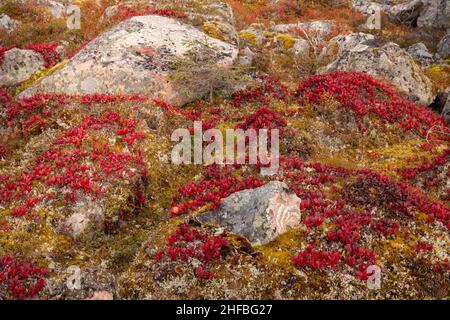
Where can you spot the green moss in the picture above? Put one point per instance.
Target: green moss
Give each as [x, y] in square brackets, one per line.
[280, 251]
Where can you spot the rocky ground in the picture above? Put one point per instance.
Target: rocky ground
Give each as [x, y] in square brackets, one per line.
[91, 206]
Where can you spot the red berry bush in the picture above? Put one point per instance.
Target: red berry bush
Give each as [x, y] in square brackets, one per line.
[78, 162]
[361, 94]
[188, 244]
[20, 280]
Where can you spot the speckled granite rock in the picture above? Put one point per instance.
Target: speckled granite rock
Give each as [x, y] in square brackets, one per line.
[341, 43]
[368, 7]
[435, 14]
[407, 12]
[7, 23]
[422, 13]
[421, 54]
[319, 28]
[259, 214]
[218, 21]
[19, 65]
[133, 56]
[443, 46]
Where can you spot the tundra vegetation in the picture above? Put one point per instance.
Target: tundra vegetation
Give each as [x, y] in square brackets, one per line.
[86, 180]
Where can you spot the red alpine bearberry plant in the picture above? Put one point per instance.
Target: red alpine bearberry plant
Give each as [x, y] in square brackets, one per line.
[20, 280]
[188, 245]
[218, 183]
[361, 94]
[270, 89]
[77, 162]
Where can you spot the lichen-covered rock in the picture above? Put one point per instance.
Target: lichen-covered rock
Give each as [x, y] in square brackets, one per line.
[317, 28]
[420, 53]
[215, 19]
[259, 214]
[435, 14]
[301, 47]
[368, 7]
[19, 65]
[422, 13]
[341, 43]
[443, 46]
[218, 21]
[384, 60]
[134, 56]
[407, 12]
[255, 34]
[88, 215]
[7, 23]
[57, 9]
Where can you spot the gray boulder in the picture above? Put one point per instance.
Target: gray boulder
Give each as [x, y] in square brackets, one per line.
[259, 214]
[254, 34]
[318, 28]
[19, 65]
[434, 14]
[443, 46]
[7, 23]
[383, 60]
[134, 57]
[368, 7]
[342, 43]
[422, 13]
[301, 47]
[406, 13]
[218, 21]
[420, 53]
[246, 57]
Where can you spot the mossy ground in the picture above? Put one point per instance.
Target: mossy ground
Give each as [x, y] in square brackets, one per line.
[326, 136]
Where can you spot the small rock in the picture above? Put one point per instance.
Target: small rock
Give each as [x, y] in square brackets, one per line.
[301, 47]
[368, 7]
[102, 295]
[255, 34]
[7, 23]
[88, 215]
[57, 9]
[341, 43]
